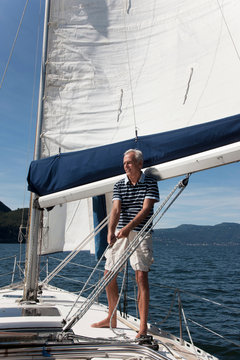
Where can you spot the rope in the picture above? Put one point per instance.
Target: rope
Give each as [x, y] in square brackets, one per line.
[97, 340]
[119, 297]
[135, 297]
[114, 341]
[125, 309]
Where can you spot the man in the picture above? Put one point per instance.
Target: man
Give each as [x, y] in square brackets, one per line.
[133, 200]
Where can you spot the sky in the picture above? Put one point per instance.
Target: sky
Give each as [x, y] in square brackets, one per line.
[211, 197]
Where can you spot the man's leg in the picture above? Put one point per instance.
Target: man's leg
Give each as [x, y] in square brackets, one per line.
[112, 296]
[143, 300]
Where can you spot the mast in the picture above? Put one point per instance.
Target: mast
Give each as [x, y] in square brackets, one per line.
[32, 258]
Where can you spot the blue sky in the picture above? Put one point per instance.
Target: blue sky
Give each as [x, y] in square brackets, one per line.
[212, 196]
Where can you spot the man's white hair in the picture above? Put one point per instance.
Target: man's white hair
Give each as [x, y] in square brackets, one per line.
[138, 154]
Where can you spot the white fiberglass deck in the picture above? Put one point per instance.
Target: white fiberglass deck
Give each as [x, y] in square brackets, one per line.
[53, 307]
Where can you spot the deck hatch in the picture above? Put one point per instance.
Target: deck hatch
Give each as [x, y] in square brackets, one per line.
[28, 311]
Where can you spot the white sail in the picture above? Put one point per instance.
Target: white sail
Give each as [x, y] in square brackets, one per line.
[67, 226]
[114, 67]
[120, 69]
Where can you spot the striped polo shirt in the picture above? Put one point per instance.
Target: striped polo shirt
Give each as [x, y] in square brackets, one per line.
[132, 198]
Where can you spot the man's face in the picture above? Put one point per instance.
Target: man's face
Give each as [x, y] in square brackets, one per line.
[130, 164]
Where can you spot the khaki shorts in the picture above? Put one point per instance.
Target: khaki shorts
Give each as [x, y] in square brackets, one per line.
[141, 259]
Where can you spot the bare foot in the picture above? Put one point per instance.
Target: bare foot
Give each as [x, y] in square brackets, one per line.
[105, 324]
[141, 333]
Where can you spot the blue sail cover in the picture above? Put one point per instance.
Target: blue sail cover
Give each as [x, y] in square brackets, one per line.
[68, 170]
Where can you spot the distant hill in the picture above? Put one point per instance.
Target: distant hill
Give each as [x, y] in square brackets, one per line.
[221, 234]
[4, 208]
[10, 222]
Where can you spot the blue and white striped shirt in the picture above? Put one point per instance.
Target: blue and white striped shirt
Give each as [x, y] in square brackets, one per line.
[132, 198]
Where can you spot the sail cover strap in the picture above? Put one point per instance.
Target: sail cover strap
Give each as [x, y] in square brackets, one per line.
[68, 170]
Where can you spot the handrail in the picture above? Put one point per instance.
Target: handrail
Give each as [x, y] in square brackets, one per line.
[8, 257]
[14, 267]
[198, 296]
[7, 273]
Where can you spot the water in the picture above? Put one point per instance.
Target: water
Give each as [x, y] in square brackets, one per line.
[211, 272]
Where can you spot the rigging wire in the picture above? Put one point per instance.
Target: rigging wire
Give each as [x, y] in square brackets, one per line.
[14, 43]
[215, 333]
[228, 29]
[198, 297]
[65, 261]
[87, 282]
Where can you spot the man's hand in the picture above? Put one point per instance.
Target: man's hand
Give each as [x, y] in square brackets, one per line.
[114, 218]
[124, 232]
[111, 239]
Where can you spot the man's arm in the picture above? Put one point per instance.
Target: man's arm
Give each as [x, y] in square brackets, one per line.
[141, 215]
[113, 221]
